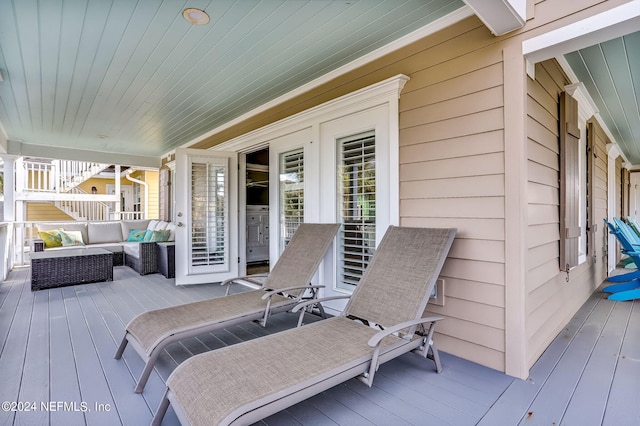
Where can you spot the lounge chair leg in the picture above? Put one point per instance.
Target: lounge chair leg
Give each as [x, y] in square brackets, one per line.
[162, 409]
[435, 356]
[122, 347]
[144, 377]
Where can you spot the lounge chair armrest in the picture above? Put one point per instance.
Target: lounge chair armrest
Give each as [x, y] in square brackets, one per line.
[270, 293]
[316, 301]
[377, 338]
[246, 278]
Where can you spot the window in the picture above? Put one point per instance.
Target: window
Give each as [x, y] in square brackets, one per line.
[357, 206]
[291, 173]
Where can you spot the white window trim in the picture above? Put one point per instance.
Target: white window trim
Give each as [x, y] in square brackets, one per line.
[586, 110]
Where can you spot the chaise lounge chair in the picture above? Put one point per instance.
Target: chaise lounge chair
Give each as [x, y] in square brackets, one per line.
[383, 319]
[150, 332]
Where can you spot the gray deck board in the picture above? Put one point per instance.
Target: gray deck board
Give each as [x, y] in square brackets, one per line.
[550, 404]
[35, 379]
[58, 345]
[624, 397]
[589, 399]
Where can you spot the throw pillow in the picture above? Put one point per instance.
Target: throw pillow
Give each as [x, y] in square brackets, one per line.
[137, 235]
[160, 236]
[51, 238]
[71, 238]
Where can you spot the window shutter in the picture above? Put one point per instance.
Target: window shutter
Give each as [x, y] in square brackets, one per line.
[569, 182]
[291, 194]
[356, 201]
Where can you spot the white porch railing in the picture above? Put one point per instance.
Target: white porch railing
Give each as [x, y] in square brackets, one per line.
[58, 176]
[17, 238]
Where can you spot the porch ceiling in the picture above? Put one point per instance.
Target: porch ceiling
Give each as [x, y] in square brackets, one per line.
[611, 73]
[134, 77]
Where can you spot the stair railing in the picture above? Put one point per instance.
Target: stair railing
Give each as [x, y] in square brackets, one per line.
[85, 210]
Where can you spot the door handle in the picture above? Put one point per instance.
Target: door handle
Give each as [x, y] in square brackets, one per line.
[180, 224]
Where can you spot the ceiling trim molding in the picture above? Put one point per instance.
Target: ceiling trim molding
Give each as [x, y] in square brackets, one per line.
[613, 23]
[19, 148]
[439, 24]
[368, 97]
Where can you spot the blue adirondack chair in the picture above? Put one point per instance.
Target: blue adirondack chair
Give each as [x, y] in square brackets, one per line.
[629, 287]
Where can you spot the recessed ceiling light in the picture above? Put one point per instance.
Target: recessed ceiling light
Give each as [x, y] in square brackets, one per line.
[195, 16]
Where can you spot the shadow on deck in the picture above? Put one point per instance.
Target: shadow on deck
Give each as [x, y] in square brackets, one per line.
[57, 366]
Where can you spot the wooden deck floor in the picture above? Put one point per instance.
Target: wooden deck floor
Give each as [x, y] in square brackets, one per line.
[57, 366]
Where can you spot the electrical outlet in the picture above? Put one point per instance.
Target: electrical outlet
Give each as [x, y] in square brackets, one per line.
[437, 295]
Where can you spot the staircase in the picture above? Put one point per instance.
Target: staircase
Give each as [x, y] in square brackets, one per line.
[85, 210]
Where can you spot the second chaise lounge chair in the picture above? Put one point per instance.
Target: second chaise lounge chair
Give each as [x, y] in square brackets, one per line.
[383, 319]
[150, 332]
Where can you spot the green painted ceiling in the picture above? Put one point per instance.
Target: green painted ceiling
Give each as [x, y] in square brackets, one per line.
[611, 73]
[134, 77]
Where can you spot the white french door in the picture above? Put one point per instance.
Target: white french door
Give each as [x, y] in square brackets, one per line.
[206, 216]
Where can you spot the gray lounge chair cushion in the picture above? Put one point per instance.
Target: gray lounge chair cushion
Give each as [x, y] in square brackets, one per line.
[310, 242]
[152, 327]
[313, 352]
[396, 286]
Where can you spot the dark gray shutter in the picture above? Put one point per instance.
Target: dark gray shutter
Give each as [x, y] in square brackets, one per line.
[569, 182]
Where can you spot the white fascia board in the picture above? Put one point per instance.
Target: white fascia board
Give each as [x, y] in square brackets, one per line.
[432, 28]
[45, 151]
[500, 16]
[616, 22]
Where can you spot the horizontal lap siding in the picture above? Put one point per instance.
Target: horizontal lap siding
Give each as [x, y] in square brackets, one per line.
[550, 299]
[452, 174]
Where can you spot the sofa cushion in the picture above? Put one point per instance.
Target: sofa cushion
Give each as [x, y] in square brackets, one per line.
[76, 226]
[51, 238]
[160, 236]
[104, 232]
[130, 225]
[131, 249]
[152, 224]
[161, 226]
[71, 238]
[137, 235]
[171, 227]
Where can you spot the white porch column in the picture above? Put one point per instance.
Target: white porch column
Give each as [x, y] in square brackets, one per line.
[9, 187]
[613, 152]
[117, 191]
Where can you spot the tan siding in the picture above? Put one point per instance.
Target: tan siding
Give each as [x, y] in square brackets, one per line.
[484, 143]
[452, 174]
[551, 299]
[545, 297]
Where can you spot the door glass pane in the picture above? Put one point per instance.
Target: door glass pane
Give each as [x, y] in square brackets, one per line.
[356, 206]
[209, 226]
[291, 194]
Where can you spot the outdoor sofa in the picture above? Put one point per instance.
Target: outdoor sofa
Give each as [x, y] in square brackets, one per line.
[133, 242]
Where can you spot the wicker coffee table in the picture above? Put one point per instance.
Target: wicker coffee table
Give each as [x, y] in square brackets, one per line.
[58, 268]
